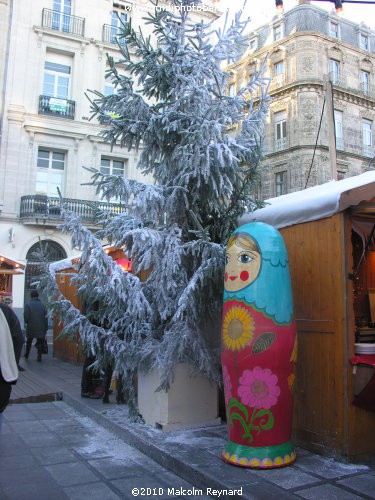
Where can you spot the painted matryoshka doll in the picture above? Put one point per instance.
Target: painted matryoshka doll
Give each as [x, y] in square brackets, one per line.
[258, 349]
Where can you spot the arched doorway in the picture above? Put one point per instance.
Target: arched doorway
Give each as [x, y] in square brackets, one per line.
[41, 252]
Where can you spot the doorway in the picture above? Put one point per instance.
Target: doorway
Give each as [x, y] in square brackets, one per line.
[42, 252]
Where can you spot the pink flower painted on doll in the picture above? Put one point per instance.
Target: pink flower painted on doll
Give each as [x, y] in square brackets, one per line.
[258, 388]
[227, 385]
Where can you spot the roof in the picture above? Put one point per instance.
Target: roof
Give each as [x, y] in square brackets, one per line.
[69, 263]
[15, 265]
[316, 202]
[309, 18]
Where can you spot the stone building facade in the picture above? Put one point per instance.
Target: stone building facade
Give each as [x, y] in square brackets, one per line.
[302, 50]
[51, 53]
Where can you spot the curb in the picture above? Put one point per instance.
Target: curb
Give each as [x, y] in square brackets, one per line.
[189, 473]
[41, 398]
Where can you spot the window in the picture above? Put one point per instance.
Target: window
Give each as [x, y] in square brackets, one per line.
[64, 6]
[279, 68]
[280, 183]
[367, 132]
[118, 18]
[277, 32]
[365, 81]
[334, 69]
[253, 44]
[109, 88]
[56, 80]
[232, 89]
[62, 15]
[111, 166]
[333, 29]
[50, 172]
[280, 130]
[280, 125]
[339, 129]
[363, 41]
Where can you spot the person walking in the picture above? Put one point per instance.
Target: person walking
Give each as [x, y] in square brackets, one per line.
[11, 341]
[35, 316]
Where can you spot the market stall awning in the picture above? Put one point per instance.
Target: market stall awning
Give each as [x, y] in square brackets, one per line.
[316, 202]
[10, 266]
[117, 255]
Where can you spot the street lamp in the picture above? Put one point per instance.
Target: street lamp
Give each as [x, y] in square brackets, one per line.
[338, 6]
[279, 7]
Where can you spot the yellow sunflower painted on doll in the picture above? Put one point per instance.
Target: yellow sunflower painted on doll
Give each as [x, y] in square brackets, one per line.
[238, 328]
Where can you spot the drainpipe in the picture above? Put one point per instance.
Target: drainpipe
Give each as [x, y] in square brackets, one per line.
[331, 129]
[6, 64]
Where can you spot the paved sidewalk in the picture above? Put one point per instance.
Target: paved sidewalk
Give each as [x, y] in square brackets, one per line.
[50, 452]
[194, 454]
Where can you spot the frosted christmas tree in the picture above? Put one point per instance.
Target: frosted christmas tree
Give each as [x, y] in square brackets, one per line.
[202, 145]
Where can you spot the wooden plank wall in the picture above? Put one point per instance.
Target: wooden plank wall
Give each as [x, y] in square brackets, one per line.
[70, 349]
[316, 258]
[63, 347]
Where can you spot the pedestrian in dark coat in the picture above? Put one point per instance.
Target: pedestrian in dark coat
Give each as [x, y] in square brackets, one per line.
[35, 316]
[11, 341]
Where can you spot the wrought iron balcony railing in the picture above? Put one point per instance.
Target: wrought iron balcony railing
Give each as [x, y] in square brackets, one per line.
[340, 145]
[111, 34]
[365, 87]
[368, 90]
[48, 208]
[338, 79]
[368, 150]
[66, 23]
[277, 81]
[281, 144]
[64, 108]
[345, 81]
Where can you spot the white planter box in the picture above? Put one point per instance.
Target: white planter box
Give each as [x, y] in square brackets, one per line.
[190, 401]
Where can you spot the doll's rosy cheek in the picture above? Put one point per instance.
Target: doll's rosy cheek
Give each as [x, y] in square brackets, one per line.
[244, 276]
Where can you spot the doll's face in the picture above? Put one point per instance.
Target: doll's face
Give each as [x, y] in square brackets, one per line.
[242, 267]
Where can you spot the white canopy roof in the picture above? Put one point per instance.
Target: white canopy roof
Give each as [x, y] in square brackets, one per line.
[315, 203]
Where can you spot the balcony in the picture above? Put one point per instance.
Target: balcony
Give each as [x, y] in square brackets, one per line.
[55, 106]
[368, 90]
[368, 151]
[340, 146]
[278, 81]
[338, 79]
[281, 144]
[365, 88]
[45, 208]
[65, 23]
[111, 34]
[350, 84]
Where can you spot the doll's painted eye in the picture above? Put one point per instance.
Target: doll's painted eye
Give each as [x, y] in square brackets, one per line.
[245, 257]
[226, 258]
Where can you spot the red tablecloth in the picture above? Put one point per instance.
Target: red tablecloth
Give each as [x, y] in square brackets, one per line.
[363, 359]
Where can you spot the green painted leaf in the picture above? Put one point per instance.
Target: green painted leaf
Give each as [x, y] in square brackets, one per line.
[263, 342]
[266, 419]
[234, 403]
[237, 416]
[247, 435]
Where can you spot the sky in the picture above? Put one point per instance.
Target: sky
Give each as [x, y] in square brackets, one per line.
[261, 11]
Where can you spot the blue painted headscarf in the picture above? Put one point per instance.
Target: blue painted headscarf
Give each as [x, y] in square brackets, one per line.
[271, 291]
